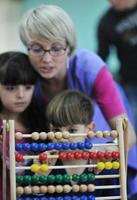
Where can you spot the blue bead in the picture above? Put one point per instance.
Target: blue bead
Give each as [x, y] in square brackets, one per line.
[36, 198]
[75, 197]
[42, 147]
[58, 146]
[83, 197]
[20, 198]
[81, 145]
[44, 198]
[51, 198]
[65, 145]
[91, 197]
[35, 146]
[59, 198]
[73, 146]
[28, 198]
[50, 146]
[88, 145]
[19, 147]
[67, 198]
[26, 147]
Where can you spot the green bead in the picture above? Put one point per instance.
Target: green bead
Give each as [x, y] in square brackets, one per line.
[35, 179]
[43, 179]
[91, 177]
[19, 179]
[83, 178]
[66, 178]
[27, 180]
[59, 178]
[75, 177]
[51, 179]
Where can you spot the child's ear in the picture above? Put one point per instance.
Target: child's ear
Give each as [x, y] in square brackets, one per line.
[91, 126]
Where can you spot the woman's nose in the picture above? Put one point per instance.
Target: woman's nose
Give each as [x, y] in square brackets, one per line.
[47, 57]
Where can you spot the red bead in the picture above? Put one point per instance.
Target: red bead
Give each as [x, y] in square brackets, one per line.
[19, 157]
[115, 154]
[108, 155]
[42, 156]
[85, 155]
[100, 155]
[93, 155]
[62, 156]
[70, 155]
[78, 155]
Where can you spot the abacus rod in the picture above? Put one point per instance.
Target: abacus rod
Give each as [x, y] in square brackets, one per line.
[108, 198]
[105, 144]
[59, 167]
[71, 134]
[4, 131]
[12, 160]
[107, 187]
[122, 159]
[107, 176]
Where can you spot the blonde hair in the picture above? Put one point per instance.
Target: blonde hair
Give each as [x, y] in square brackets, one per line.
[68, 108]
[50, 22]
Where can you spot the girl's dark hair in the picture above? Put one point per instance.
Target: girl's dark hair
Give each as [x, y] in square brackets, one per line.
[68, 108]
[16, 69]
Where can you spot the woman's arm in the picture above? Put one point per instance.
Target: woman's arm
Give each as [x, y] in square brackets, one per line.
[107, 96]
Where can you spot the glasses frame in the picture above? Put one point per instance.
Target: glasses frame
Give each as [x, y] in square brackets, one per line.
[50, 51]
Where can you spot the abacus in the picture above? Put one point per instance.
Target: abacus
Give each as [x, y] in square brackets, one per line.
[44, 186]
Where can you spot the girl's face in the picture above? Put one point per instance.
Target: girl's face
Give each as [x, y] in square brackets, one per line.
[49, 59]
[15, 99]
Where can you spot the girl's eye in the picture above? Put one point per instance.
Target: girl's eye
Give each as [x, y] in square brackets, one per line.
[29, 87]
[10, 88]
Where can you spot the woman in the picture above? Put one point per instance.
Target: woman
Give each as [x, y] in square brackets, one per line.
[48, 33]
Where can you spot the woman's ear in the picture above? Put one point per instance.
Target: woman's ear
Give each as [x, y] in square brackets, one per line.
[91, 126]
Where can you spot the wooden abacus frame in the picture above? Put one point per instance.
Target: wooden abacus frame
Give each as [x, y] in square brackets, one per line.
[8, 126]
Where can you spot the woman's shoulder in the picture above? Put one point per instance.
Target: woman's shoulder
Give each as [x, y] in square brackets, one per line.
[86, 58]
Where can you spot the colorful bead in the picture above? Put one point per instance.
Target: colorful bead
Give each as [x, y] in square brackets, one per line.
[19, 157]
[34, 179]
[100, 165]
[108, 165]
[91, 177]
[42, 156]
[115, 165]
[44, 167]
[43, 179]
[34, 168]
[51, 179]
[35, 136]
[59, 178]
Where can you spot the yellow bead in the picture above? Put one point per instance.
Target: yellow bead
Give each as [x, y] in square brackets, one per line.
[34, 168]
[100, 165]
[108, 165]
[115, 165]
[44, 168]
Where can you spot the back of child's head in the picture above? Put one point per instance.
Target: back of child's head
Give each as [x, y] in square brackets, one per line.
[16, 69]
[68, 108]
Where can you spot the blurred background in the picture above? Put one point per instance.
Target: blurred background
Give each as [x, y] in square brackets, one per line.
[85, 14]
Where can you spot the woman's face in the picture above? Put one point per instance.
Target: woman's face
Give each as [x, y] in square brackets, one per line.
[49, 59]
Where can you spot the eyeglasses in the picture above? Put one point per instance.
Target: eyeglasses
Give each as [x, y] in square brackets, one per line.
[53, 51]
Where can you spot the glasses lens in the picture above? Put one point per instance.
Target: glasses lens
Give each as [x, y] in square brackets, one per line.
[57, 51]
[37, 51]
